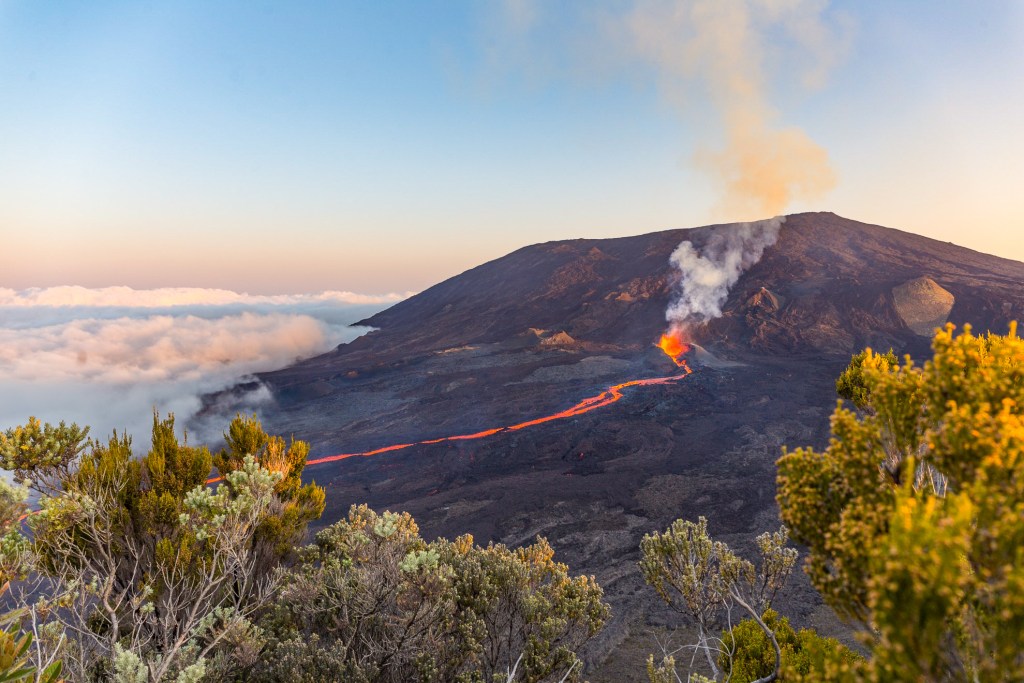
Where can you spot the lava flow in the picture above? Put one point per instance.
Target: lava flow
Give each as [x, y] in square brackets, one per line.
[670, 343]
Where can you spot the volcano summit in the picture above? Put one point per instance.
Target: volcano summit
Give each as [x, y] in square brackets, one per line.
[486, 356]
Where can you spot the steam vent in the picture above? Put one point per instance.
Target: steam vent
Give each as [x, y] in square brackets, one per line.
[923, 305]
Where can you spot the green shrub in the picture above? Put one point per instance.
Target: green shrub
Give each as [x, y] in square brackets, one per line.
[803, 652]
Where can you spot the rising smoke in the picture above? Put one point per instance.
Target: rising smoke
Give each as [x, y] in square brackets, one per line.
[707, 275]
[723, 48]
[761, 167]
[723, 66]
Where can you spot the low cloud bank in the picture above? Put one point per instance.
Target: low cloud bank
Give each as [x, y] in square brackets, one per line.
[107, 357]
[165, 297]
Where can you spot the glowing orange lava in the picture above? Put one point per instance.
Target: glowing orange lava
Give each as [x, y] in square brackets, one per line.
[606, 397]
[672, 345]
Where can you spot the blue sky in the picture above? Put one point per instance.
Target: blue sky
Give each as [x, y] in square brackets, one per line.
[376, 147]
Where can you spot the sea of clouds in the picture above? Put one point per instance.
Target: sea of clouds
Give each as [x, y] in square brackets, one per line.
[107, 357]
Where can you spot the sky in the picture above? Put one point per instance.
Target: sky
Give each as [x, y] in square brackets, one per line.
[377, 147]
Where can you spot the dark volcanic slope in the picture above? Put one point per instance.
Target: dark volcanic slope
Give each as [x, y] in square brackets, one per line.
[615, 290]
[828, 269]
[537, 330]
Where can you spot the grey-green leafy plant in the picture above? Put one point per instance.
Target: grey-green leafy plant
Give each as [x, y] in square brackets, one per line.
[143, 566]
[372, 601]
[42, 454]
[16, 646]
[705, 580]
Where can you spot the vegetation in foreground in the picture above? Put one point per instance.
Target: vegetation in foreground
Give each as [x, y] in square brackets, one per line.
[914, 514]
[914, 522]
[135, 570]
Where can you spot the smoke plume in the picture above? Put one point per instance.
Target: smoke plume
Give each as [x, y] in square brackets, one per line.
[707, 275]
[724, 66]
[723, 47]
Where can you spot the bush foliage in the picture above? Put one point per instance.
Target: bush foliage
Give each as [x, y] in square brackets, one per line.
[138, 571]
[381, 604]
[914, 514]
[750, 656]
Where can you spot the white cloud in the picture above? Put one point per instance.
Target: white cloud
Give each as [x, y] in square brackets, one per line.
[161, 348]
[167, 297]
[107, 357]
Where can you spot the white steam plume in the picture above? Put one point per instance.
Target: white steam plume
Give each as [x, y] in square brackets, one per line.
[706, 276]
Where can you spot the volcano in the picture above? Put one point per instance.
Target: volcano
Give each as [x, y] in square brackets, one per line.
[551, 326]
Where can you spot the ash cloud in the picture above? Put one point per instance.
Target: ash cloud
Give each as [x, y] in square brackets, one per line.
[722, 47]
[706, 275]
[107, 357]
[723, 66]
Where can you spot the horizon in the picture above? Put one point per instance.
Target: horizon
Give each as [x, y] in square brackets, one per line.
[114, 297]
[279, 149]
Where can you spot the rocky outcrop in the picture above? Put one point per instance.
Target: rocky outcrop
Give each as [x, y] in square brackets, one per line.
[558, 339]
[763, 301]
[923, 305]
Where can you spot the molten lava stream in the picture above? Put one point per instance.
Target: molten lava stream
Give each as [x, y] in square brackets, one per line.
[671, 343]
[605, 398]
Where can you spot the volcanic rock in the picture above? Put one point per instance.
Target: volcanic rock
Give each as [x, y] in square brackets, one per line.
[923, 305]
[763, 302]
[460, 358]
[558, 339]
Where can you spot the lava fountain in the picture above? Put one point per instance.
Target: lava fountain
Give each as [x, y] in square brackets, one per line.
[673, 345]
